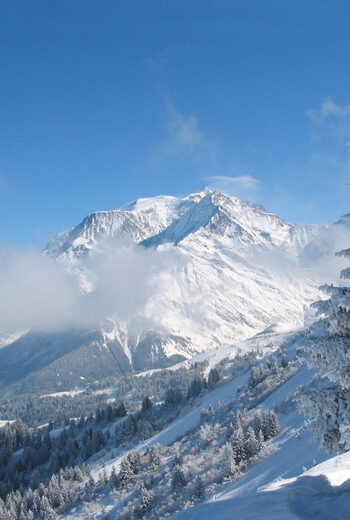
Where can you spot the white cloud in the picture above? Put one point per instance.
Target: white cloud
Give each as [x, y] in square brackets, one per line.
[327, 109]
[40, 294]
[35, 292]
[243, 181]
[242, 186]
[185, 139]
[331, 125]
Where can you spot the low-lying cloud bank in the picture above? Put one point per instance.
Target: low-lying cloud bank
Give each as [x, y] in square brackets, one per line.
[122, 280]
[41, 294]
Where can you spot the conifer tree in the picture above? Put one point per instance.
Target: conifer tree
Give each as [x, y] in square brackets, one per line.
[271, 426]
[251, 443]
[258, 421]
[146, 404]
[104, 476]
[328, 349]
[177, 457]
[113, 478]
[146, 499]
[260, 438]
[213, 377]
[46, 511]
[155, 459]
[199, 489]
[178, 480]
[230, 467]
[238, 445]
[126, 474]
[91, 482]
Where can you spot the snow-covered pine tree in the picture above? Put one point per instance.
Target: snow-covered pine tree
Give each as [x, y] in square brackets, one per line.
[239, 419]
[178, 480]
[229, 462]
[199, 489]
[134, 459]
[113, 478]
[11, 513]
[177, 457]
[260, 438]
[25, 514]
[206, 434]
[46, 511]
[271, 425]
[146, 500]
[213, 377]
[275, 366]
[91, 482]
[238, 445]
[251, 443]
[2, 509]
[103, 475]
[126, 473]
[258, 421]
[327, 348]
[155, 458]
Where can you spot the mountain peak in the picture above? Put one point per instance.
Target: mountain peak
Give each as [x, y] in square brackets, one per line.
[219, 281]
[167, 219]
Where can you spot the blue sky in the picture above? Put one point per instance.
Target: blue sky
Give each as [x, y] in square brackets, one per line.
[102, 102]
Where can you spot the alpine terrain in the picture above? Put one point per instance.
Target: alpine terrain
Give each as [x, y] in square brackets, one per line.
[201, 380]
[226, 269]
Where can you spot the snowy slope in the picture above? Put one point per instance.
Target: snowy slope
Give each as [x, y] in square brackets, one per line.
[320, 493]
[292, 450]
[296, 479]
[280, 487]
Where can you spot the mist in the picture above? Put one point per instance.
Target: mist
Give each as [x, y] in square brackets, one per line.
[318, 257]
[118, 280]
[316, 263]
[123, 281]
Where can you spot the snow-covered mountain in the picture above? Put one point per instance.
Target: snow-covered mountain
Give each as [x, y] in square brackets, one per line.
[164, 219]
[236, 271]
[233, 281]
[139, 219]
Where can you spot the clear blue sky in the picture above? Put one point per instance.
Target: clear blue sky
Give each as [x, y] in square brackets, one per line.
[105, 101]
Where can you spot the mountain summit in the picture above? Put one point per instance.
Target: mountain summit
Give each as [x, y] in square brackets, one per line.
[164, 219]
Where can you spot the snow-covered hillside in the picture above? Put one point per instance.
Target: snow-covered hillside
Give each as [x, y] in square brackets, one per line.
[232, 269]
[193, 458]
[294, 479]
